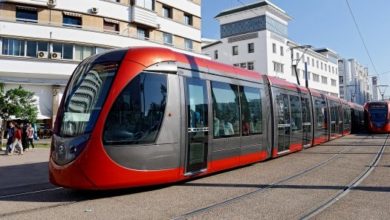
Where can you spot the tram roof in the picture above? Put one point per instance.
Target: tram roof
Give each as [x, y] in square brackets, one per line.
[148, 56]
[275, 81]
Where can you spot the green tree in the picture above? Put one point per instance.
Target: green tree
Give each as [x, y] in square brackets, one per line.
[19, 103]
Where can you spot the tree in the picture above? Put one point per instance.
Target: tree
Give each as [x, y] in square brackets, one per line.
[18, 103]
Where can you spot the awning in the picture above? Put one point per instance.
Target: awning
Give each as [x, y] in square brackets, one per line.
[42, 117]
[26, 8]
[73, 14]
[39, 117]
[111, 20]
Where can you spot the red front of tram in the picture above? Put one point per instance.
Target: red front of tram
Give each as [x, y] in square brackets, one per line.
[377, 115]
[88, 124]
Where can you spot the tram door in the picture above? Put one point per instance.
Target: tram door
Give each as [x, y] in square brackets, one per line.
[296, 122]
[334, 118]
[284, 125]
[197, 125]
[306, 121]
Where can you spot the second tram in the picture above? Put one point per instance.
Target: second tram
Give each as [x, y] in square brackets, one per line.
[377, 116]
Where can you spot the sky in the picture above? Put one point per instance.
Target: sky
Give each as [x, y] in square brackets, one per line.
[327, 23]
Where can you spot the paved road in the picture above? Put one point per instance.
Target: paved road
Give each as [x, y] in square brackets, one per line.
[265, 188]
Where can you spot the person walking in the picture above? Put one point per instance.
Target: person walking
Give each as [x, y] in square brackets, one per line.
[10, 137]
[30, 135]
[24, 136]
[17, 140]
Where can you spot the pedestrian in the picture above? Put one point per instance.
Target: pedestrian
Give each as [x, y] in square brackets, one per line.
[17, 140]
[30, 135]
[24, 136]
[10, 137]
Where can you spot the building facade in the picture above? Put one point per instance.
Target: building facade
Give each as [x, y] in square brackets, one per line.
[42, 41]
[255, 37]
[355, 83]
[376, 94]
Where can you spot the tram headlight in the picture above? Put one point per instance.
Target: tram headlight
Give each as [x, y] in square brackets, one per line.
[65, 150]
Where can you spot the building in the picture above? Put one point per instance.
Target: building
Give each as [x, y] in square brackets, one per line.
[376, 93]
[355, 83]
[255, 37]
[42, 41]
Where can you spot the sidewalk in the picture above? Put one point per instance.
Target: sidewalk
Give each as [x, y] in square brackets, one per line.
[29, 168]
[39, 143]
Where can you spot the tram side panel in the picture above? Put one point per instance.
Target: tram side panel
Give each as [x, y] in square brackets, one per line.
[254, 122]
[268, 118]
[288, 129]
[346, 119]
[320, 124]
[335, 118]
[237, 125]
[340, 118]
[152, 122]
[307, 119]
[358, 118]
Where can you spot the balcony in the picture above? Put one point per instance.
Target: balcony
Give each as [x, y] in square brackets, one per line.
[143, 16]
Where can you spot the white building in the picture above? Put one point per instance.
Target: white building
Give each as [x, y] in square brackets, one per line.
[355, 83]
[376, 93]
[255, 37]
[42, 41]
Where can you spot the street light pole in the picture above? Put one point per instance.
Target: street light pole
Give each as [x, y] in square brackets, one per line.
[294, 66]
[378, 87]
[382, 92]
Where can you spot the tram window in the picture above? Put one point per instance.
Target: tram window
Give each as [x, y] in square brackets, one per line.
[296, 113]
[306, 117]
[347, 116]
[283, 109]
[226, 112]
[137, 114]
[334, 111]
[251, 114]
[340, 113]
[85, 97]
[320, 113]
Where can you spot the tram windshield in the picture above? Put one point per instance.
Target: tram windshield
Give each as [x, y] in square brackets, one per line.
[378, 112]
[85, 97]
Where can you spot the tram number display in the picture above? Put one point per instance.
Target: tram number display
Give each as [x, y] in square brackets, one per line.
[377, 106]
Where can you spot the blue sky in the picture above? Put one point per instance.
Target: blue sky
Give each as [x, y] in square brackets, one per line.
[327, 23]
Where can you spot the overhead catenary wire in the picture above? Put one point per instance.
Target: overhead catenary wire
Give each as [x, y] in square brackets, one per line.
[361, 37]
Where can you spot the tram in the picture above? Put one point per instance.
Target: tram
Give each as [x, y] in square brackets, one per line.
[377, 116]
[145, 116]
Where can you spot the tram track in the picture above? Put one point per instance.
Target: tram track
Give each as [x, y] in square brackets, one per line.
[353, 184]
[76, 198]
[38, 192]
[36, 209]
[270, 186]
[6, 196]
[26, 189]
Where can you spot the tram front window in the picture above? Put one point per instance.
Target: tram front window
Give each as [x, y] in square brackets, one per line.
[85, 97]
[138, 112]
[378, 114]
